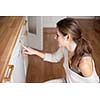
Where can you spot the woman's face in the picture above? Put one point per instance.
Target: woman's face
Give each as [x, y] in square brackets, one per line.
[60, 39]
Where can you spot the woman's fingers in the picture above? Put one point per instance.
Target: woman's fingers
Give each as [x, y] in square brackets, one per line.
[27, 51]
[24, 51]
[25, 47]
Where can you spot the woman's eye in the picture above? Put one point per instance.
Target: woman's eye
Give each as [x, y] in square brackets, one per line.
[57, 35]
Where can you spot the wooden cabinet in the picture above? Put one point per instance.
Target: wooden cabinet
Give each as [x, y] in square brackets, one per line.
[17, 60]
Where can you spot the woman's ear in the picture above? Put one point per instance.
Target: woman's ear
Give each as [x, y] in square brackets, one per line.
[67, 37]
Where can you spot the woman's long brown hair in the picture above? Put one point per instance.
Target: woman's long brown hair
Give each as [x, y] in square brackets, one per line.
[71, 26]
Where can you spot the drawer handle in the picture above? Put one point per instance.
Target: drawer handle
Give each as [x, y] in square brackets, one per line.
[9, 73]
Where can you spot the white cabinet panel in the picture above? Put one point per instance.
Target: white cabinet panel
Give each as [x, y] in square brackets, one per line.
[25, 42]
[18, 60]
[19, 74]
[25, 64]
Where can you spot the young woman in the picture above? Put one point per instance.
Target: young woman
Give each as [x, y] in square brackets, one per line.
[76, 50]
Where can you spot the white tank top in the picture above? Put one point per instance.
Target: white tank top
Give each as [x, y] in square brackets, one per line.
[74, 77]
[71, 76]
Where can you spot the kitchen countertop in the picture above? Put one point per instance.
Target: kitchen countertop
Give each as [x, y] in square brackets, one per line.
[9, 31]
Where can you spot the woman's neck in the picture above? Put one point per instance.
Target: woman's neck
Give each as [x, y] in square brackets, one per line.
[71, 47]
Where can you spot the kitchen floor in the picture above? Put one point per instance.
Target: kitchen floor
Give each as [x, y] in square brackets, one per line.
[40, 71]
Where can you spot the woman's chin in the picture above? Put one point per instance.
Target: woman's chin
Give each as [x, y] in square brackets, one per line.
[60, 45]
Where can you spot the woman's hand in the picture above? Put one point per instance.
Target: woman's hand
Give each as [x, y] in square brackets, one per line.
[28, 51]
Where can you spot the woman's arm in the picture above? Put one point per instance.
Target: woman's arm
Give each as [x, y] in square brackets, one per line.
[30, 51]
[55, 57]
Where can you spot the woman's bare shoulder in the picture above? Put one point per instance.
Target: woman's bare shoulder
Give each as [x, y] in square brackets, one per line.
[86, 66]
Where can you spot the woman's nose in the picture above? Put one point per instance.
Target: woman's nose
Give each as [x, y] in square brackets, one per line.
[55, 37]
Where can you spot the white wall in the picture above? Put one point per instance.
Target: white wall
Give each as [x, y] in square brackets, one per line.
[50, 21]
[82, 17]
